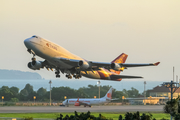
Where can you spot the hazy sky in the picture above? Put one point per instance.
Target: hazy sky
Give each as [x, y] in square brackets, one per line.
[99, 30]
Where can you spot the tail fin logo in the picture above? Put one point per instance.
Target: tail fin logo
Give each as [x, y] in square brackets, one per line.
[109, 95]
[121, 58]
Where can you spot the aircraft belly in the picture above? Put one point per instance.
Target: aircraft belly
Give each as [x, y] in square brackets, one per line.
[90, 74]
[96, 75]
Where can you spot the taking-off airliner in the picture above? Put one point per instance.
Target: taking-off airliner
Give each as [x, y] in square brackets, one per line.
[58, 58]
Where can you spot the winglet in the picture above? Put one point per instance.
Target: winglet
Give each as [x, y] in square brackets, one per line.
[156, 64]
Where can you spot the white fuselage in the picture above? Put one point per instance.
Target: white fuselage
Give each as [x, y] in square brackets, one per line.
[90, 101]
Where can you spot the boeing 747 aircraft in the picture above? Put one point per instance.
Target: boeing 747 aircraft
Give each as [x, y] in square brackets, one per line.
[90, 101]
[58, 58]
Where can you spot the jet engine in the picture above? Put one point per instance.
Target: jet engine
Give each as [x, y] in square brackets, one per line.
[116, 66]
[35, 65]
[83, 65]
[76, 104]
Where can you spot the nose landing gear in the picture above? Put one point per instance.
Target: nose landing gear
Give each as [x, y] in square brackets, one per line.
[33, 59]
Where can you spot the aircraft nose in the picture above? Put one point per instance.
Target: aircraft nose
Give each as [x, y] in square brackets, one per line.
[26, 41]
[64, 102]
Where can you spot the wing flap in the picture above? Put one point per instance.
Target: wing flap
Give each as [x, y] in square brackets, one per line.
[71, 62]
[101, 64]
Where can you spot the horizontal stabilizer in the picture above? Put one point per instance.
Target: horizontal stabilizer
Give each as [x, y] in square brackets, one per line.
[115, 99]
[124, 77]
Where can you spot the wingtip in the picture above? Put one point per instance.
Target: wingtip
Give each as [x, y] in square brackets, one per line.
[156, 64]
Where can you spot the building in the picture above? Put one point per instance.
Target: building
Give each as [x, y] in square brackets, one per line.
[163, 91]
[158, 95]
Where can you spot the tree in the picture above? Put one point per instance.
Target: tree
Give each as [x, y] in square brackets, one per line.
[81, 94]
[23, 95]
[27, 93]
[131, 93]
[119, 94]
[15, 92]
[41, 93]
[147, 93]
[29, 88]
[14, 100]
[92, 91]
[58, 93]
[171, 107]
[5, 91]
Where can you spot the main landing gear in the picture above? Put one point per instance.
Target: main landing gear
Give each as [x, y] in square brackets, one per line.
[33, 59]
[57, 74]
[69, 76]
[77, 76]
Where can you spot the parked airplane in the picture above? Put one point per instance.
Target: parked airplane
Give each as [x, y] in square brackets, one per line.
[58, 58]
[89, 101]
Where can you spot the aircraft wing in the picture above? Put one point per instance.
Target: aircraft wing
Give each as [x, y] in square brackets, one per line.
[84, 103]
[108, 65]
[96, 65]
[124, 76]
[138, 65]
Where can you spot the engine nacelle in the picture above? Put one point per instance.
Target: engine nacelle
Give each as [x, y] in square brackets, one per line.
[35, 65]
[83, 65]
[116, 66]
[76, 104]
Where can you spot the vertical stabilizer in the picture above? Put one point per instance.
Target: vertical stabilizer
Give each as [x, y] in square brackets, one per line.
[109, 94]
[120, 59]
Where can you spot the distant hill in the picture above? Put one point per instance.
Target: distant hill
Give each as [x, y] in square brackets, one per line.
[16, 74]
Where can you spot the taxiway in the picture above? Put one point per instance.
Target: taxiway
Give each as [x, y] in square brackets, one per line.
[58, 109]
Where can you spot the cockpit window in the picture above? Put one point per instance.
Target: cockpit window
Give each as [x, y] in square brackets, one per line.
[35, 36]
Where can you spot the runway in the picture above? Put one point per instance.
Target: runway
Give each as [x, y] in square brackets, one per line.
[99, 109]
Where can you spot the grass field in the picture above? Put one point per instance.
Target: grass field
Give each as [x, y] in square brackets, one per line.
[114, 116]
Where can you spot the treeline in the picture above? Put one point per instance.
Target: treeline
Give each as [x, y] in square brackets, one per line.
[13, 94]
